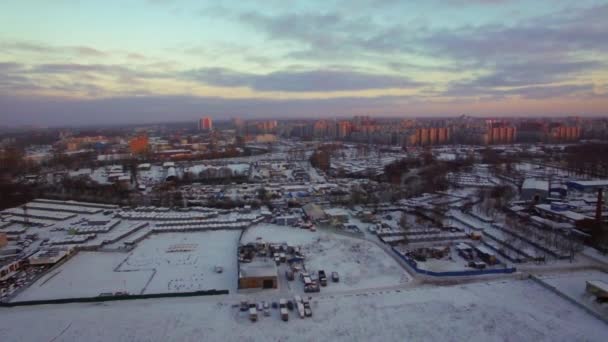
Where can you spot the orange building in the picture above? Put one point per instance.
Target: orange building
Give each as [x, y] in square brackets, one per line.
[499, 133]
[139, 145]
[429, 136]
[565, 133]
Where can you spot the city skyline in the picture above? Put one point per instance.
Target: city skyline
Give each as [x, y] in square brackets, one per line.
[71, 62]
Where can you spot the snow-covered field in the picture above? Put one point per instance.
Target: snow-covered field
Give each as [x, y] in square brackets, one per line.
[360, 264]
[87, 274]
[496, 311]
[149, 268]
[573, 285]
[188, 270]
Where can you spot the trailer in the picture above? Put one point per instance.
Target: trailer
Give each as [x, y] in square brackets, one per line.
[301, 310]
[253, 314]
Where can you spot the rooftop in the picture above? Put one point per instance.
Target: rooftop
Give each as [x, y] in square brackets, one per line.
[259, 268]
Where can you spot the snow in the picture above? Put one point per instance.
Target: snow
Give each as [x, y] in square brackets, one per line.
[277, 234]
[360, 263]
[573, 285]
[494, 311]
[149, 268]
[187, 271]
[87, 274]
[535, 184]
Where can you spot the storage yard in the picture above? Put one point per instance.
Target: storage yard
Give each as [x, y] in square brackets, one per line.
[360, 263]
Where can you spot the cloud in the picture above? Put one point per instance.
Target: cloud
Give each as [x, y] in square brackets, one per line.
[300, 81]
[40, 48]
[137, 109]
[560, 34]
[320, 32]
[535, 72]
[331, 33]
[527, 92]
[6, 67]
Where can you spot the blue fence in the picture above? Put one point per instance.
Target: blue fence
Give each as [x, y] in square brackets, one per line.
[414, 265]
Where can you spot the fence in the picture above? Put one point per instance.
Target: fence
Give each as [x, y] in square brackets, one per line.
[114, 298]
[414, 266]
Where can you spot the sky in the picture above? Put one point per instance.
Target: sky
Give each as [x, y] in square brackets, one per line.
[68, 62]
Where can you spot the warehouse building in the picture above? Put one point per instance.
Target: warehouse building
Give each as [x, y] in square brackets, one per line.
[534, 190]
[588, 185]
[258, 274]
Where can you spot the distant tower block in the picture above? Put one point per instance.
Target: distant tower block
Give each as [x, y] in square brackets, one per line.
[205, 124]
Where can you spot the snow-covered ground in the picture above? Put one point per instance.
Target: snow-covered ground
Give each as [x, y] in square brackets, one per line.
[496, 311]
[149, 268]
[573, 285]
[276, 233]
[188, 270]
[87, 274]
[360, 263]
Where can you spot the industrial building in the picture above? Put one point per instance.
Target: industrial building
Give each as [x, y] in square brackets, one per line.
[258, 274]
[588, 185]
[314, 212]
[534, 189]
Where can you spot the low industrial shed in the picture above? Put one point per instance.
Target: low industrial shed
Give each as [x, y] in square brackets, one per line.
[258, 274]
[534, 189]
[314, 212]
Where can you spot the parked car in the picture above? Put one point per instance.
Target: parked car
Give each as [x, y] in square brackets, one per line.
[335, 277]
[322, 278]
[244, 305]
[284, 314]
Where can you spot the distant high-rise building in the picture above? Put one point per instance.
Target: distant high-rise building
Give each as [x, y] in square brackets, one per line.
[205, 124]
[499, 133]
[239, 125]
[344, 129]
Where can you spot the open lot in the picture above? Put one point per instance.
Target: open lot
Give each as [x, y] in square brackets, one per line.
[172, 262]
[360, 263]
[87, 274]
[494, 311]
[191, 269]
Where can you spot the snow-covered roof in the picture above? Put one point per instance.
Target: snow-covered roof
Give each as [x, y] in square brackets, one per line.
[598, 284]
[592, 183]
[259, 268]
[536, 184]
